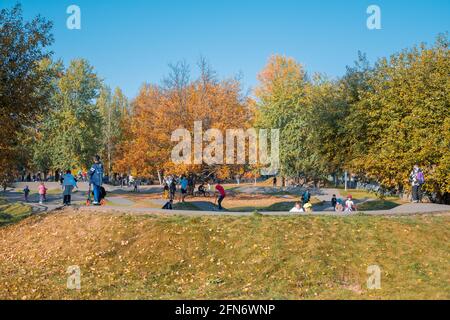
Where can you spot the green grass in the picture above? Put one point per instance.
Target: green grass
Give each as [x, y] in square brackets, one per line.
[376, 202]
[377, 205]
[357, 194]
[13, 212]
[363, 194]
[283, 206]
[256, 257]
[185, 206]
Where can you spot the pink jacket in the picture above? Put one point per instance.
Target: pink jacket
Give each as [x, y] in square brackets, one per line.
[42, 189]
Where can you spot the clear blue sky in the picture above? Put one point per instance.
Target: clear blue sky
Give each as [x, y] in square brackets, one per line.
[131, 42]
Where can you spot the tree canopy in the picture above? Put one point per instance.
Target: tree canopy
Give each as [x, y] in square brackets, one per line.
[376, 121]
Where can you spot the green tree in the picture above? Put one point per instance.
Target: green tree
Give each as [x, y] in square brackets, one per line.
[24, 85]
[403, 115]
[73, 130]
[281, 105]
[112, 108]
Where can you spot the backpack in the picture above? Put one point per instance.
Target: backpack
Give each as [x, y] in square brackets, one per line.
[420, 177]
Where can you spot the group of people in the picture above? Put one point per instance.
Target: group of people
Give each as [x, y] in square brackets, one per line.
[187, 187]
[340, 205]
[69, 183]
[304, 205]
[42, 191]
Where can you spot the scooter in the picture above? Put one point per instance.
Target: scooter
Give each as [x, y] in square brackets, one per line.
[89, 199]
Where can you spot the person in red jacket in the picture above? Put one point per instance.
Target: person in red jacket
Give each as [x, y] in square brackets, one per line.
[220, 194]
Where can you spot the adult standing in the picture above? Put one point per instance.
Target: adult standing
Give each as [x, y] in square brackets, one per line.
[416, 178]
[184, 186]
[61, 180]
[172, 189]
[96, 179]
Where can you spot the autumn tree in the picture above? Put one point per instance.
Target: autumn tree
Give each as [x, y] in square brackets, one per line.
[159, 110]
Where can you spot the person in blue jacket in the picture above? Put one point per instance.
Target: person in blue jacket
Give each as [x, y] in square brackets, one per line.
[69, 184]
[96, 179]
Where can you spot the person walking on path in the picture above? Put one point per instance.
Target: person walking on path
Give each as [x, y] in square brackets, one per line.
[61, 180]
[69, 184]
[172, 189]
[42, 190]
[221, 194]
[26, 192]
[184, 186]
[96, 179]
[416, 178]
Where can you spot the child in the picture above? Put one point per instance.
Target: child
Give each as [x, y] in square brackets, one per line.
[308, 207]
[221, 194]
[349, 204]
[69, 184]
[26, 191]
[42, 193]
[168, 205]
[334, 201]
[339, 205]
[297, 208]
[201, 190]
[166, 191]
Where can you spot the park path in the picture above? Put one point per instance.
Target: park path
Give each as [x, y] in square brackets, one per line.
[125, 204]
[408, 210]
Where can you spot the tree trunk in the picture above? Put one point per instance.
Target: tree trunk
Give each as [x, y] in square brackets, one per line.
[160, 178]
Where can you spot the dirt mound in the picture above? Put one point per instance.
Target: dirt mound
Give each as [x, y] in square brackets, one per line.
[155, 257]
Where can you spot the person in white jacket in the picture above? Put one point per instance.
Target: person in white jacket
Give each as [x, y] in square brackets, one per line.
[297, 209]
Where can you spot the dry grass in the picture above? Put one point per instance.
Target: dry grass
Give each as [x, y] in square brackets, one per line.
[157, 257]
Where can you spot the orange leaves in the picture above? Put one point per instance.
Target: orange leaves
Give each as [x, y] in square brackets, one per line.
[158, 111]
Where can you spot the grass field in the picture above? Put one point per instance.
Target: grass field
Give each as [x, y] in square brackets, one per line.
[13, 212]
[157, 257]
[376, 203]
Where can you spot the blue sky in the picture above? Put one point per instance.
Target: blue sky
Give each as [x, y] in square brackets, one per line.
[131, 42]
